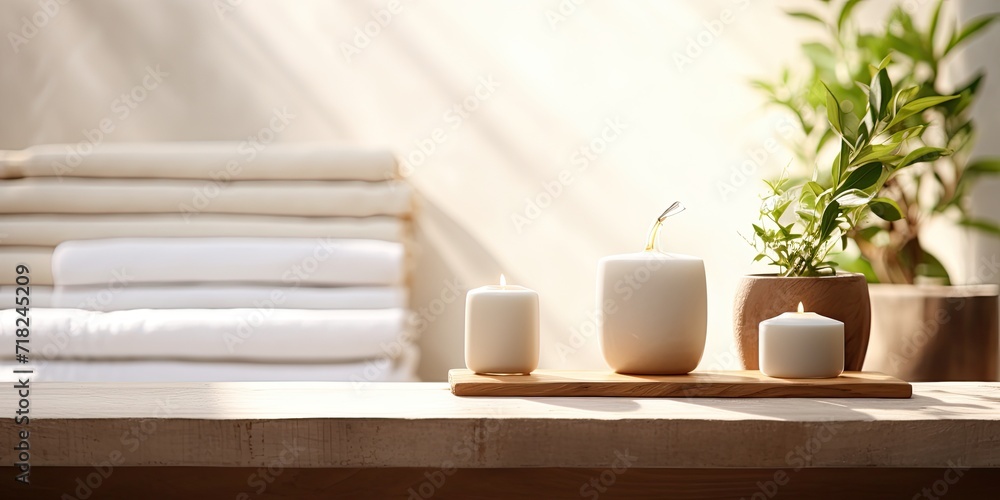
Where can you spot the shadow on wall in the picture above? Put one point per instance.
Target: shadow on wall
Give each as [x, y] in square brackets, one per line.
[446, 263]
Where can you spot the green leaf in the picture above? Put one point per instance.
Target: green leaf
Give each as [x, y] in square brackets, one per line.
[880, 95]
[966, 95]
[759, 256]
[863, 177]
[984, 166]
[874, 152]
[759, 230]
[863, 136]
[853, 198]
[970, 29]
[982, 225]
[884, 63]
[833, 110]
[829, 221]
[913, 107]
[931, 267]
[806, 215]
[780, 209]
[761, 84]
[808, 16]
[906, 134]
[850, 123]
[886, 209]
[856, 265]
[776, 186]
[932, 31]
[820, 55]
[840, 163]
[845, 13]
[910, 48]
[903, 96]
[814, 187]
[920, 155]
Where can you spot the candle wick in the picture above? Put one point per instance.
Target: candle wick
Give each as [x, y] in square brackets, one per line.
[654, 230]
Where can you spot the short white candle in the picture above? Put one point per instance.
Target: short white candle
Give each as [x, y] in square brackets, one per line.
[501, 329]
[801, 345]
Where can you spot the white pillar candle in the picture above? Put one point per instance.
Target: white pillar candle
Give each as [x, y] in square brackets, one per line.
[654, 312]
[654, 308]
[501, 329]
[801, 345]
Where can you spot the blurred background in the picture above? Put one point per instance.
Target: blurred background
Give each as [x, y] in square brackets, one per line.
[537, 136]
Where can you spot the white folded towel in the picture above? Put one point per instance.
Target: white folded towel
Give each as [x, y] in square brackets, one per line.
[399, 369]
[201, 160]
[133, 196]
[38, 260]
[289, 261]
[217, 334]
[50, 230]
[209, 296]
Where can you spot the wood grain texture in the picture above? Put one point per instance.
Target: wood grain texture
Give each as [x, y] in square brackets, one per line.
[843, 297]
[344, 425]
[708, 384]
[501, 484]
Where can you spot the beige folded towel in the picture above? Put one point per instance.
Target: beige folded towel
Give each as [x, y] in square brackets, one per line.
[204, 160]
[50, 230]
[38, 260]
[308, 198]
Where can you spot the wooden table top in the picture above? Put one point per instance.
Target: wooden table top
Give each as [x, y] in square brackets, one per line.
[424, 425]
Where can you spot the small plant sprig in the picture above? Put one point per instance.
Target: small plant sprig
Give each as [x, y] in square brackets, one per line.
[802, 222]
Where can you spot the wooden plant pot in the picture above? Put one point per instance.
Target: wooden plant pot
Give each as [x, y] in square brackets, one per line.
[843, 297]
[925, 333]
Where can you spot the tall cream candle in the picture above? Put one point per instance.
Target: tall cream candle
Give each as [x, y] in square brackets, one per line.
[653, 307]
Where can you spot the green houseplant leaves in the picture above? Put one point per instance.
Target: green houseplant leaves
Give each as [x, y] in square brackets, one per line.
[802, 223]
[825, 94]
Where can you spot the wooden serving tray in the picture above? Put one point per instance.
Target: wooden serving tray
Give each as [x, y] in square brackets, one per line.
[708, 384]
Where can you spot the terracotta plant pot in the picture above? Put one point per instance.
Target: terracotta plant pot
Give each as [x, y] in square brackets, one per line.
[843, 297]
[926, 333]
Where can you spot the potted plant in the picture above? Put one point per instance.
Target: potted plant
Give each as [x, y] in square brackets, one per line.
[804, 221]
[922, 328]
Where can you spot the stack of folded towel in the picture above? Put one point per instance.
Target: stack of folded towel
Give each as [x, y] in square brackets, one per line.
[204, 262]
